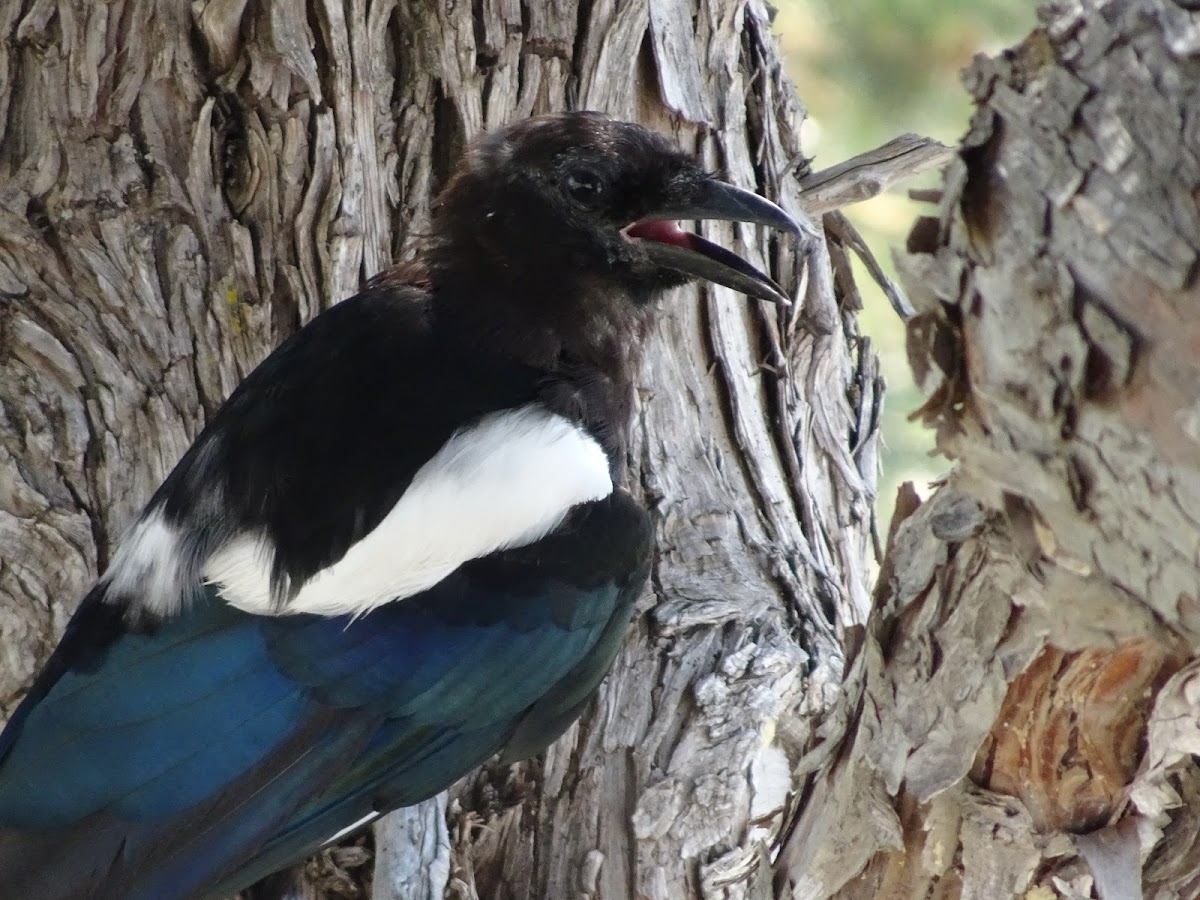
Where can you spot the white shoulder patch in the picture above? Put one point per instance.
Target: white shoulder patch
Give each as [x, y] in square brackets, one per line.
[334, 838]
[147, 564]
[504, 482]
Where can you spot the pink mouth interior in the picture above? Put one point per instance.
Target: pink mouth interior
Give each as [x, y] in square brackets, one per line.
[660, 231]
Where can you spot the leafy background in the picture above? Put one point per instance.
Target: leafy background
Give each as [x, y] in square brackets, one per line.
[870, 70]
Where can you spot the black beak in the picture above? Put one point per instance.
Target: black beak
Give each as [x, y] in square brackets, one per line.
[692, 255]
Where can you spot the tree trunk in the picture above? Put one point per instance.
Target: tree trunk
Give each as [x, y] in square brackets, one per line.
[1023, 703]
[182, 185]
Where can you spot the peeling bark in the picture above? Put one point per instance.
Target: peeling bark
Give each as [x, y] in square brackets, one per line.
[1022, 709]
[182, 185]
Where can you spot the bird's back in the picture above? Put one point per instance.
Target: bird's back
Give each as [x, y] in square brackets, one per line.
[172, 747]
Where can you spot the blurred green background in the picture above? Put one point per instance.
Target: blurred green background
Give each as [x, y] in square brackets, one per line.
[870, 70]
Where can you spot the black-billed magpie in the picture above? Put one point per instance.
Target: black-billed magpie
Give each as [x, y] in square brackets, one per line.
[400, 547]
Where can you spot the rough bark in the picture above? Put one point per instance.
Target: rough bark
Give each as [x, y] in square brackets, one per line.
[182, 185]
[1022, 706]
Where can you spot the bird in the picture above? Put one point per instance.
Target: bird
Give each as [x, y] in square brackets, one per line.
[403, 545]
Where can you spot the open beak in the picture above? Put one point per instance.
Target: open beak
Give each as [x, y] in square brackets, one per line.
[692, 255]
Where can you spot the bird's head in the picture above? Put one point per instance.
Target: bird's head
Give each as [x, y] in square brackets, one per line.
[575, 214]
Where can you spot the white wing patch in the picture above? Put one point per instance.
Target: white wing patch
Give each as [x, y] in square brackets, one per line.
[504, 482]
[147, 564]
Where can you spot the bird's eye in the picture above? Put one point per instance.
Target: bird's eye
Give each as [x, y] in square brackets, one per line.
[584, 186]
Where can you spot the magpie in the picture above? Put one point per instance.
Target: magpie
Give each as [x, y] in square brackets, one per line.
[403, 544]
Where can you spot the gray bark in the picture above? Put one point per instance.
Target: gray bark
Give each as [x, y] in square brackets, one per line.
[180, 187]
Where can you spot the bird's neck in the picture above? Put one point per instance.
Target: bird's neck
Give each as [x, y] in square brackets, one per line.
[586, 364]
[550, 326]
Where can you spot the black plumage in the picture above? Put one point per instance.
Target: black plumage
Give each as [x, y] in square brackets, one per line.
[401, 546]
